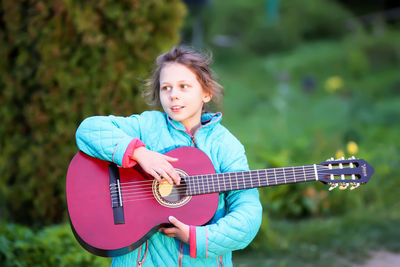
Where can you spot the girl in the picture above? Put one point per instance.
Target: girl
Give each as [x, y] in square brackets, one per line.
[183, 85]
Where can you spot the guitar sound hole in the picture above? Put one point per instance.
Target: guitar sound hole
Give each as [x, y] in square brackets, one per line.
[175, 194]
[171, 196]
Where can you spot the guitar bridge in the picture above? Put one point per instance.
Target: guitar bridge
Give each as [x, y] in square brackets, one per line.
[115, 194]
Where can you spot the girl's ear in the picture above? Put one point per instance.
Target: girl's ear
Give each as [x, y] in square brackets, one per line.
[207, 97]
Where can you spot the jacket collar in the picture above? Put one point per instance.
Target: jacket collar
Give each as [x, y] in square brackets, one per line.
[207, 119]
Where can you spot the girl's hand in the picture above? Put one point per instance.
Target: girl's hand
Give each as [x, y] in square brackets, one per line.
[180, 231]
[157, 165]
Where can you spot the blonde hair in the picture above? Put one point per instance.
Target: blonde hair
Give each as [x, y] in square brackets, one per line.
[197, 62]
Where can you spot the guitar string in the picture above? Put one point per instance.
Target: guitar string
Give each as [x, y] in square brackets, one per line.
[218, 176]
[247, 173]
[207, 177]
[140, 192]
[148, 196]
[244, 175]
[148, 192]
[196, 184]
[280, 169]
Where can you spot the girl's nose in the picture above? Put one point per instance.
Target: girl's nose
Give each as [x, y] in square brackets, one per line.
[174, 93]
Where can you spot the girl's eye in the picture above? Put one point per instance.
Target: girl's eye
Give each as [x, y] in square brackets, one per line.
[164, 88]
[184, 86]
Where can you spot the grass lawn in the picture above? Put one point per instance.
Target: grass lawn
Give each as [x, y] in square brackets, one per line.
[287, 110]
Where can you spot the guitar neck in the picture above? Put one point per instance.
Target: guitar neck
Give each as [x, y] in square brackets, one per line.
[220, 182]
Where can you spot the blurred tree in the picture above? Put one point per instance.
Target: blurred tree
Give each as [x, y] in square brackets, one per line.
[272, 10]
[194, 31]
[265, 26]
[62, 61]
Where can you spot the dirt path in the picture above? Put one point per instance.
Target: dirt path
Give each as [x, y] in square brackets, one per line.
[381, 259]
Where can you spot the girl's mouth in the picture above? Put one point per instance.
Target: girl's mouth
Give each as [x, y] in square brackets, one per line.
[177, 108]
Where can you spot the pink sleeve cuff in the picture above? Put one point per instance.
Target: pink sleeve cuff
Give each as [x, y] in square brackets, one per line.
[192, 241]
[127, 161]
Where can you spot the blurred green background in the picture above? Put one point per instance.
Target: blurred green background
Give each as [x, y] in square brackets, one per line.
[305, 80]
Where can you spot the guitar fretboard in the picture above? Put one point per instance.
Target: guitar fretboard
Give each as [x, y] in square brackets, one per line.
[220, 182]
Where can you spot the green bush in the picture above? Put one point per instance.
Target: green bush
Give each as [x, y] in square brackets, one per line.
[294, 125]
[297, 20]
[52, 246]
[63, 61]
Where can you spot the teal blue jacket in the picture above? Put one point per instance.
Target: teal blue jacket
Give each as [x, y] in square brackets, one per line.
[238, 216]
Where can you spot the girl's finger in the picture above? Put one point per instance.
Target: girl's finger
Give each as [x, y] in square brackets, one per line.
[178, 224]
[155, 175]
[170, 230]
[170, 159]
[175, 176]
[164, 175]
[171, 235]
[172, 173]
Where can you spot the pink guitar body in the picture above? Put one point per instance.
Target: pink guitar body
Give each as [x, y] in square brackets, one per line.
[114, 210]
[90, 203]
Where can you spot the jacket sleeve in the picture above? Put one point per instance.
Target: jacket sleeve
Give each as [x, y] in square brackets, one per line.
[240, 225]
[108, 137]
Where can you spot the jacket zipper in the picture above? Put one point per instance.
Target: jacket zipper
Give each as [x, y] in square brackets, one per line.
[193, 140]
[192, 136]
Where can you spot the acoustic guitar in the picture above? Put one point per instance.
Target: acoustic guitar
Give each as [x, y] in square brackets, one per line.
[114, 210]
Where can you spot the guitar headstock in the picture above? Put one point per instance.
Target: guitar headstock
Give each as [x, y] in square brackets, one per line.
[344, 172]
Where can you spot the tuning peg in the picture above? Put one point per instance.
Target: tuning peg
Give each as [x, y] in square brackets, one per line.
[354, 185]
[333, 186]
[353, 177]
[343, 186]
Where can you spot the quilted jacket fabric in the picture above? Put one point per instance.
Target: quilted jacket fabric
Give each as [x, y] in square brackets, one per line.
[238, 216]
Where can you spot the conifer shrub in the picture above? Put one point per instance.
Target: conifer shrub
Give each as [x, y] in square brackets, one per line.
[63, 61]
[52, 246]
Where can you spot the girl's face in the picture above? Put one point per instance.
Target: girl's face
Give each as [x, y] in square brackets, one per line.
[181, 95]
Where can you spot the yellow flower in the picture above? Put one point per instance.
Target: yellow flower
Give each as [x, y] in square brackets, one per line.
[352, 148]
[333, 84]
[339, 154]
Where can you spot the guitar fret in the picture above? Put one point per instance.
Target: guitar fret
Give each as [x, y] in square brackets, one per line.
[289, 179]
[266, 177]
[304, 173]
[219, 189]
[198, 184]
[294, 174]
[204, 189]
[244, 183]
[189, 186]
[223, 178]
[193, 185]
[237, 181]
[276, 182]
[251, 180]
[258, 176]
[284, 176]
[208, 185]
[206, 179]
